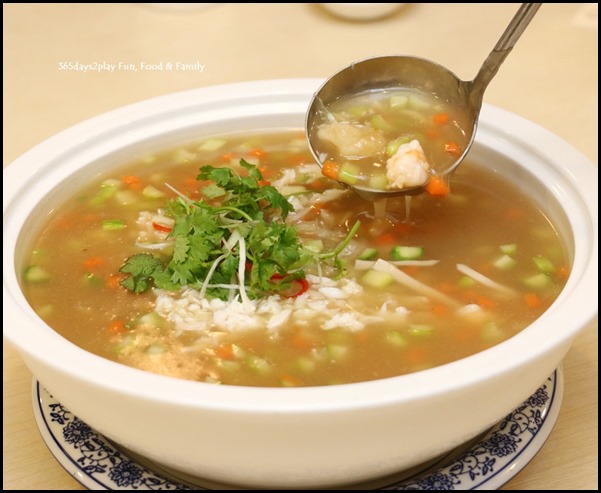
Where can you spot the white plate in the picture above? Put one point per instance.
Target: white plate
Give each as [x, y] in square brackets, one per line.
[486, 463]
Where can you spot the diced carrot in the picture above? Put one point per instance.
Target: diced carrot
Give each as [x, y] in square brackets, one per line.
[117, 327]
[452, 148]
[403, 228]
[318, 185]
[113, 281]
[410, 270]
[314, 211]
[64, 223]
[288, 380]
[433, 133]
[93, 263]
[133, 182]
[330, 169]
[440, 118]
[226, 158]
[446, 287]
[191, 181]
[532, 300]
[438, 186]
[486, 302]
[514, 213]
[416, 356]
[563, 272]
[362, 336]
[385, 239]
[301, 340]
[439, 309]
[257, 152]
[263, 183]
[225, 351]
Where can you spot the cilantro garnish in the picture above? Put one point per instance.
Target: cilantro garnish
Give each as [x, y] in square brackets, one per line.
[236, 235]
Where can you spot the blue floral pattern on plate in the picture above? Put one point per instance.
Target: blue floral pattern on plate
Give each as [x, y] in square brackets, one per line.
[487, 463]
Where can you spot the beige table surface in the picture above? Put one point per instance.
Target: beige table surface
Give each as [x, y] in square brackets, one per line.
[549, 78]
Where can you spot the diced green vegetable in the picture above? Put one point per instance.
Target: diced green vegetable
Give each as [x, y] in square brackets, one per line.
[358, 111]
[420, 330]
[504, 262]
[45, 310]
[543, 264]
[239, 353]
[337, 352]
[126, 342]
[229, 366]
[151, 319]
[377, 279]
[92, 279]
[538, 281]
[151, 192]
[113, 224]
[35, 273]
[106, 191]
[417, 102]
[349, 173]
[125, 197]
[181, 156]
[407, 252]
[212, 144]
[378, 181]
[466, 282]
[378, 121]
[155, 349]
[306, 365]
[319, 353]
[509, 249]
[288, 190]
[394, 145]
[491, 332]
[395, 338]
[260, 365]
[369, 254]
[314, 246]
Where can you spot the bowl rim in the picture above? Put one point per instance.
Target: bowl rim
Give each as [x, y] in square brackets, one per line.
[31, 172]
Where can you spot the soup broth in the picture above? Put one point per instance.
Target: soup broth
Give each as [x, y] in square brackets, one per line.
[361, 297]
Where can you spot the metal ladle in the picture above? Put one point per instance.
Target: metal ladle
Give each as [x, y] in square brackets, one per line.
[390, 72]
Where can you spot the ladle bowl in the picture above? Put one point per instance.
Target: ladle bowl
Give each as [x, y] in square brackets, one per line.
[410, 72]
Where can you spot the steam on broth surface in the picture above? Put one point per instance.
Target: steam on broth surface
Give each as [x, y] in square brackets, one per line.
[394, 296]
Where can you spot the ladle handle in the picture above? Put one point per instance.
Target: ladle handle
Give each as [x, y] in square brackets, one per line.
[496, 57]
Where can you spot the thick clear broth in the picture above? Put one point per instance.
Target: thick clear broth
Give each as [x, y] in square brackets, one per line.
[72, 274]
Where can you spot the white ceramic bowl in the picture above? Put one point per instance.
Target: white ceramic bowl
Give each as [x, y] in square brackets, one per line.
[300, 437]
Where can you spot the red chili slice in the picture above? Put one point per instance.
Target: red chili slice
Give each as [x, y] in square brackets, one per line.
[160, 227]
[303, 286]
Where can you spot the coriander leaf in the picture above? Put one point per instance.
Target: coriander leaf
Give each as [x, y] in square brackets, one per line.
[213, 191]
[180, 250]
[142, 267]
[207, 240]
[275, 199]
[221, 176]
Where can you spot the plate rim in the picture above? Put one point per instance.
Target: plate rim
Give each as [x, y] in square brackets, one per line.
[444, 472]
